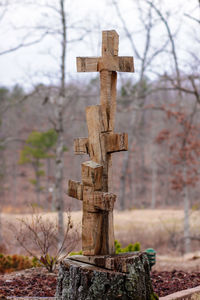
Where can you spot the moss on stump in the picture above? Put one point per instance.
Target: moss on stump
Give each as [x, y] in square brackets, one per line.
[126, 276]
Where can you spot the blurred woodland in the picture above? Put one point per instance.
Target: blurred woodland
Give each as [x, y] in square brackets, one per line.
[158, 106]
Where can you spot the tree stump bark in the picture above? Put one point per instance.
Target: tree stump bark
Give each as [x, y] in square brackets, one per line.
[123, 276]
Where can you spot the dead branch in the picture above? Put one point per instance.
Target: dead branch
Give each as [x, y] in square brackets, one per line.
[171, 38]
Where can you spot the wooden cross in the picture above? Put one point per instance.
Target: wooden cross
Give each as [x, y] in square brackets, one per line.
[94, 191]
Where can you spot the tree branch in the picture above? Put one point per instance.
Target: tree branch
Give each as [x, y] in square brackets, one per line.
[126, 29]
[192, 18]
[23, 45]
[170, 38]
[9, 140]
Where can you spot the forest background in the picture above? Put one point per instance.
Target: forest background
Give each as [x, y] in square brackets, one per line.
[43, 101]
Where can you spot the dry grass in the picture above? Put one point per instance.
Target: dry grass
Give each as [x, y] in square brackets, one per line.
[159, 229]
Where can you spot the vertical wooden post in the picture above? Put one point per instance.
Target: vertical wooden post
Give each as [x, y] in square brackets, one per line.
[94, 191]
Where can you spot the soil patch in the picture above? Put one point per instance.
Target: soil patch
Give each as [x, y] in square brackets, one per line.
[35, 282]
[166, 283]
[39, 283]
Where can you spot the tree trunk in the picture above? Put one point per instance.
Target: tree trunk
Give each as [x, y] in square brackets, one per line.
[123, 276]
[59, 107]
[125, 164]
[14, 181]
[186, 215]
[47, 192]
[1, 238]
[140, 142]
[53, 203]
[136, 119]
[37, 182]
[122, 191]
[154, 178]
[131, 195]
[59, 179]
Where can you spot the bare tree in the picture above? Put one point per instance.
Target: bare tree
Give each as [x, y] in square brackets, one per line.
[171, 39]
[59, 106]
[26, 40]
[146, 59]
[177, 83]
[60, 99]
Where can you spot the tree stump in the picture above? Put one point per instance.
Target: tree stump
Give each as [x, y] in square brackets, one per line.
[122, 276]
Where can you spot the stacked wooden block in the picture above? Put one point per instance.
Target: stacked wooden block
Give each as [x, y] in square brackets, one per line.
[94, 190]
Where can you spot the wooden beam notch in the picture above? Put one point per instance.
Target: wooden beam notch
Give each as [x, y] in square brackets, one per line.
[75, 189]
[81, 146]
[97, 201]
[97, 233]
[116, 142]
[92, 174]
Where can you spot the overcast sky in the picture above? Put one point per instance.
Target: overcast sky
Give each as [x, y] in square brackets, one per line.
[30, 65]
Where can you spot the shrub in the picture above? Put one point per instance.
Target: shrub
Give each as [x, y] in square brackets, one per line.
[10, 263]
[76, 253]
[118, 248]
[129, 248]
[39, 237]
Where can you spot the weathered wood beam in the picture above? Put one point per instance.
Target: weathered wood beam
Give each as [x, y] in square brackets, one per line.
[96, 119]
[97, 122]
[110, 43]
[81, 146]
[109, 63]
[108, 82]
[75, 189]
[87, 64]
[98, 233]
[125, 64]
[116, 142]
[92, 174]
[97, 222]
[98, 201]
[116, 63]
[104, 201]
